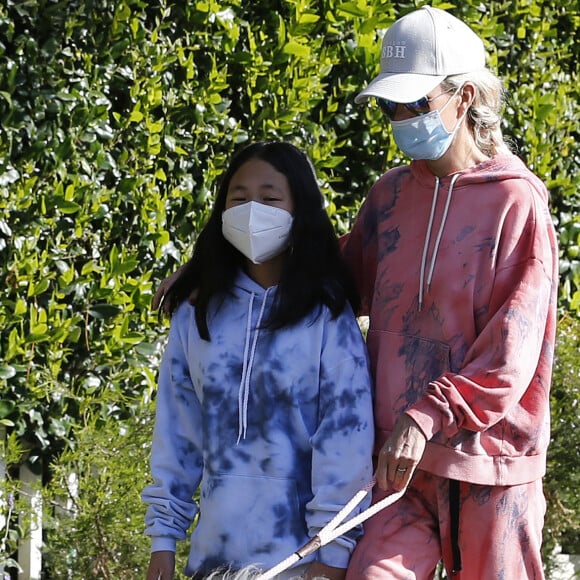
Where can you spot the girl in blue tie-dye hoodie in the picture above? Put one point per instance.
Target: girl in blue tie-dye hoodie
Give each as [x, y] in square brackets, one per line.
[264, 399]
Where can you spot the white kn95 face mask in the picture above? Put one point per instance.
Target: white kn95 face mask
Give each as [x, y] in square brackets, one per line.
[257, 230]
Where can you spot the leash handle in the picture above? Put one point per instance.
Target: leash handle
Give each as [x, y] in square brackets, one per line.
[351, 504]
[332, 530]
[364, 515]
[317, 541]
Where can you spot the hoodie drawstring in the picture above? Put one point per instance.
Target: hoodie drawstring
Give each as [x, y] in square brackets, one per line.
[437, 240]
[244, 389]
[426, 245]
[454, 505]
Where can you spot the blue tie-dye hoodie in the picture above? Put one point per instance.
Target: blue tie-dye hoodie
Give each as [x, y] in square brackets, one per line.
[276, 426]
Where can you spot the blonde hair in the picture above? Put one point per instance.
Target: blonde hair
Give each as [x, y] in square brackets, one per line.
[484, 114]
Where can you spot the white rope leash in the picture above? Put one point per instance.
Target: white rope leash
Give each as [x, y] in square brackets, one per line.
[332, 530]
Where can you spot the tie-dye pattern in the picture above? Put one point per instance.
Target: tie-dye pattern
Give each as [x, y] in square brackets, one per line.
[306, 450]
[500, 532]
[473, 365]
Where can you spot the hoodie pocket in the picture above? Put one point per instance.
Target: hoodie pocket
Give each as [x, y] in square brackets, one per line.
[247, 520]
[403, 366]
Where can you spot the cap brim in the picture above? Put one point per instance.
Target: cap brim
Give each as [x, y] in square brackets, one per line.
[399, 87]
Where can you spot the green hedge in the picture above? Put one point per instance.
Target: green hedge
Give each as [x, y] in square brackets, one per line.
[118, 116]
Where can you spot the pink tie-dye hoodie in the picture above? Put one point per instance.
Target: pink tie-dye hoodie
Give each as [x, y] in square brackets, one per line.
[459, 276]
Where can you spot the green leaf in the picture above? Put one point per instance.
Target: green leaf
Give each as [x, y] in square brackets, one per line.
[297, 49]
[37, 288]
[133, 338]
[7, 372]
[124, 267]
[104, 310]
[66, 206]
[6, 408]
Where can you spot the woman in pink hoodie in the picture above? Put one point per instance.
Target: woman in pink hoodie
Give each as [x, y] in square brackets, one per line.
[456, 259]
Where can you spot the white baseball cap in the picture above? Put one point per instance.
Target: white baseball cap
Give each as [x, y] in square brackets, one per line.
[419, 51]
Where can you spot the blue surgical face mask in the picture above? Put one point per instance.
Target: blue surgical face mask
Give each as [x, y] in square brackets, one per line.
[425, 136]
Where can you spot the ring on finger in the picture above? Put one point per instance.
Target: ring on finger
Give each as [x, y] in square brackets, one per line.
[401, 469]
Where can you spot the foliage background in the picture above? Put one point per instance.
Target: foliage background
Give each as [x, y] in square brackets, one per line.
[117, 117]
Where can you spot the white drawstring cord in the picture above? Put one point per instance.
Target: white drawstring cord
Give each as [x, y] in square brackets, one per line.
[440, 232]
[244, 392]
[426, 245]
[332, 530]
[244, 369]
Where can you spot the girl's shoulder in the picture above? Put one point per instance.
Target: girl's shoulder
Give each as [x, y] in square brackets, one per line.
[345, 327]
[182, 317]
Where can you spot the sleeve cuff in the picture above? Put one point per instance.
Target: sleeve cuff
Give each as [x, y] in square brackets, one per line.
[162, 544]
[426, 417]
[334, 555]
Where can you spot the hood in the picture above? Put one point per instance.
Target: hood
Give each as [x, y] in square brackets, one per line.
[497, 169]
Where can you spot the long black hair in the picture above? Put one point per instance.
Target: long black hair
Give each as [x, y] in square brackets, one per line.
[314, 272]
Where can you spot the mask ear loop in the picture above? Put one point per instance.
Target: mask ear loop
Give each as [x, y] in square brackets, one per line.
[458, 124]
[451, 98]
[461, 119]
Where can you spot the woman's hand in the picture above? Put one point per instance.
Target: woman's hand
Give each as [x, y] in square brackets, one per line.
[163, 288]
[400, 454]
[161, 566]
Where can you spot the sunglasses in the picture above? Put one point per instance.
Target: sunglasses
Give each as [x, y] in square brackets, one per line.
[419, 107]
